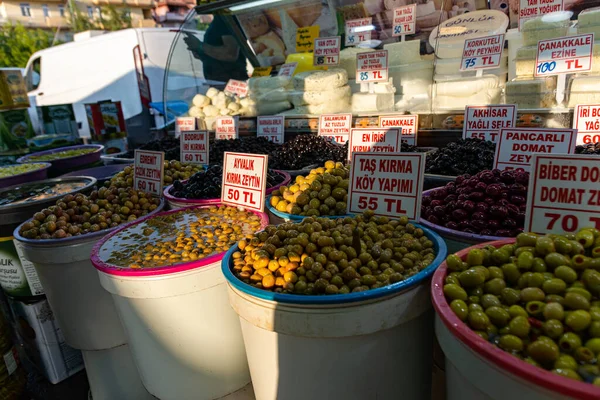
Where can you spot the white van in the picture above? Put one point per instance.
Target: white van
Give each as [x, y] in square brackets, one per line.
[127, 66]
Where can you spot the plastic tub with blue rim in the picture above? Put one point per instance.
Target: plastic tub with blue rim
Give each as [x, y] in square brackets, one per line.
[375, 344]
[277, 217]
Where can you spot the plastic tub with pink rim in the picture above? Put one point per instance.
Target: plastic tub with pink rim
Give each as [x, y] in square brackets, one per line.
[176, 202]
[185, 338]
[478, 370]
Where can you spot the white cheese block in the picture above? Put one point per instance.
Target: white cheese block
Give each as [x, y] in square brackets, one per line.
[313, 97]
[348, 59]
[412, 103]
[384, 87]
[248, 102]
[373, 6]
[367, 102]
[212, 92]
[400, 53]
[425, 9]
[584, 90]
[391, 4]
[268, 82]
[211, 111]
[484, 97]
[320, 80]
[549, 26]
[467, 86]
[591, 16]
[289, 28]
[195, 112]
[234, 106]
[269, 108]
[326, 108]
[531, 93]
[279, 94]
[200, 100]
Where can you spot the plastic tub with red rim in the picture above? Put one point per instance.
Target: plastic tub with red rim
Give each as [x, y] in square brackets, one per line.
[185, 338]
[174, 203]
[479, 370]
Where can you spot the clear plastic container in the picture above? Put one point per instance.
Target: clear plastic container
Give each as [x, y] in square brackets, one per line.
[584, 90]
[588, 21]
[549, 26]
[412, 78]
[531, 93]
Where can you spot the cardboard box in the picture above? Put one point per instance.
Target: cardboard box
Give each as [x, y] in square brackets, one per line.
[94, 118]
[43, 341]
[15, 129]
[58, 119]
[13, 91]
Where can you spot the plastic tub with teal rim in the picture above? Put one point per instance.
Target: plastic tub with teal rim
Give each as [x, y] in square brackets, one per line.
[478, 370]
[174, 203]
[60, 165]
[456, 240]
[185, 338]
[277, 217]
[365, 345]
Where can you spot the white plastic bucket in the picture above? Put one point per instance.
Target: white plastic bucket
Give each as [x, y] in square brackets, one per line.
[185, 338]
[113, 375]
[375, 344]
[478, 370]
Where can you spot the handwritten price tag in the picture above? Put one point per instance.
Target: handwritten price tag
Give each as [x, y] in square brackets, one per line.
[531, 9]
[564, 193]
[327, 51]
[148, 171]
[407, 124]
[404, 20]
[244, 180]
[226, 128]
[261, 71]
[305, 38]
[358, 30]
[237, 87]
[388, 184]
[372, 66]
[564, 55]
[270, 127]
[482, 53]
[374, 140]
[586, 119]
[184, 124]
[194, 147]
[288, 69]
[485, 122]
[335, 126]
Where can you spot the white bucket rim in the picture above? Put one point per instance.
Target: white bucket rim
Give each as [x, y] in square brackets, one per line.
[439, 247]
[506, 361]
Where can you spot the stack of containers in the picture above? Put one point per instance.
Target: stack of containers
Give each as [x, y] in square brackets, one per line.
[453, 90]
[585, 88]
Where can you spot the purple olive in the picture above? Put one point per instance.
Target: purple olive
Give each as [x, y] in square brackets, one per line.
[499, 211]
[473, 182]
[426, 200]
[503, 232]
[517, 188]
[464, 224]
[459, 214]
[439, 211]
[435, 203]
[451, 205]
[517, 200]
[493, 224]
[480, 187]
[482, 206]
[507, 176]
[479, 224]
[478, 215]
[493, 190]
[433, 219]
[476, 196]
[469, 206]
[513, 210]
[451, 197]
[452, 225]
[485, 232]
[516, 231]
[469, 230]
[509, 223]
[522, 177]
[490, 201]
[462, 197]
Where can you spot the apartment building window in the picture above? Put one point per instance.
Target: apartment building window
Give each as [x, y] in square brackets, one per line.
[25, 10]
[90, 12]
[45, 10]
[61, 10]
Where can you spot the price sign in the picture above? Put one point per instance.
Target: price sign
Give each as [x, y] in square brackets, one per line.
[184, 124]
[270, 127]
[327, 51]
[372, 66]
[358, 30]
[516, 146]
[237, 87]
[564, 193]
[532, 9]
[404, 20]
[564, 55]
[244, 180]
[388, 184]
[305, 38]
[586, 119]
[485, 122]
[335, 126]
[148, 171]
[407, 124]
[261, 71]
[226, 128]
[374, 140]
[288, 69]
[194, 147]
[482, 53]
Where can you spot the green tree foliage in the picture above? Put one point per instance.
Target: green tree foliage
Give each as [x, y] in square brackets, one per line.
[77, 20]
[112, 19]
[18, 43]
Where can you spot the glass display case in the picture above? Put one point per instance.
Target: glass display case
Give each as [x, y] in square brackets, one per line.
[229, 39]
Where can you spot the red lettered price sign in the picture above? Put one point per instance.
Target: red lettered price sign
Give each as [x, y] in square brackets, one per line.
[388, 184]
[515, 146]
[287, 69]
[226, 128]
[148, 171]
[374, 140]
[482, 53]
[270, 127]
[244, 180]
[327, 51]
[183, 124]
[532, 8]
[586, 119]
[564, 55]
[194, 147]
[335, 126]
[564, 193]
[485, 122]
[237, 87]
[404, 20]
[372, 66]
[358, 30]
[407, 125]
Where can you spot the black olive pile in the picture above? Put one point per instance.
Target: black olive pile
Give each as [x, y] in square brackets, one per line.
[207, 184]
[591, 148]
[169, 145]
[305, 150]
[466, 156]
[250, 144]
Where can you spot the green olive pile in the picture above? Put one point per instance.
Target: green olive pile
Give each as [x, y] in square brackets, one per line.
[173, 170]
[183, 236]
[12, 170]
[323, 192]
[61, 154]
[75, 215]
[333, 256]
[538, 299]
